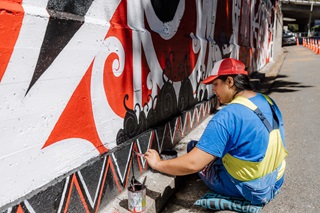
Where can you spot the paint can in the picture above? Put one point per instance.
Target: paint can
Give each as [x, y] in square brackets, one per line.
[137, 197]
[168, 154]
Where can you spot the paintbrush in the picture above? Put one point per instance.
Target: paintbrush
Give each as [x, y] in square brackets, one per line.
[138, 154]
[144, 182]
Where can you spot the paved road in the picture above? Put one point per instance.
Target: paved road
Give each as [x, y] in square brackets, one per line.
[297, 92]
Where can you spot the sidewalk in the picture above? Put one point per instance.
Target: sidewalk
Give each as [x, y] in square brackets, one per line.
[161, 187]
[168, 194]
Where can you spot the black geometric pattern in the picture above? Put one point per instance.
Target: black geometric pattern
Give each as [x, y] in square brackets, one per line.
[66, 18]
[94, 186]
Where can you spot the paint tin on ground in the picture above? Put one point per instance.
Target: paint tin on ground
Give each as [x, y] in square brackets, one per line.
[168, 154]
[137, 198]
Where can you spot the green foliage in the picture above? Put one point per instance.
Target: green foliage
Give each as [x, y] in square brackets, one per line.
[293, 27]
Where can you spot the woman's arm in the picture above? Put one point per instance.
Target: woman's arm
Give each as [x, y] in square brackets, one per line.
[192, 162]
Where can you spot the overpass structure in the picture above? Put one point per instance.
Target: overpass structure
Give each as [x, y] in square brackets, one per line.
[301, 12]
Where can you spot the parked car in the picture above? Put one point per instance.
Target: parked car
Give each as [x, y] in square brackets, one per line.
[288, 38]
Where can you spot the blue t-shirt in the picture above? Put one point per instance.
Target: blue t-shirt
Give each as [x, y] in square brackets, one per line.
[237, 130]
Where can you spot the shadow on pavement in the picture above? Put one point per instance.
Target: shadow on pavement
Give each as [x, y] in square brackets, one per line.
[190, 189]
[267, 85]
[282, 86]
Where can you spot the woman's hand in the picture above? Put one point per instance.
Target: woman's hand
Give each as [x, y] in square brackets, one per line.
[189, 163]
[152, 157]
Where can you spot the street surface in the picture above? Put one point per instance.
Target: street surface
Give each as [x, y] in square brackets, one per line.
[297, 93]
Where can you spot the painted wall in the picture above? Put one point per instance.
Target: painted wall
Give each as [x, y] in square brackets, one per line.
[79, 78]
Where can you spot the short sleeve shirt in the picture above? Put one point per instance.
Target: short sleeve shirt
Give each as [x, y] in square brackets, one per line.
[237, 130]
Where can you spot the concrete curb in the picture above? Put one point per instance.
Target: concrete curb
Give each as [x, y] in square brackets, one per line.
[160, 187]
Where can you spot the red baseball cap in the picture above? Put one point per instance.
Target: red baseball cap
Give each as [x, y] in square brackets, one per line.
[227, 66]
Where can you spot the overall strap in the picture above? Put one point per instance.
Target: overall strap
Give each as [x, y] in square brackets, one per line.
[275, 117]
[246, 102]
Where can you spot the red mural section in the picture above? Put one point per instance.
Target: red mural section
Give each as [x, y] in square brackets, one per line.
[117, 87]
[11, 16]
[176, 58]
[175, 55]
[119, 90]
[244, 32]
[78, 115]
[223, 28]
[77, 118]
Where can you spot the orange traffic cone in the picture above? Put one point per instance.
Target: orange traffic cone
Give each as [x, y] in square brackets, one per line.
[305, 42]
[297, 41]
[318, 47]
[313, 45]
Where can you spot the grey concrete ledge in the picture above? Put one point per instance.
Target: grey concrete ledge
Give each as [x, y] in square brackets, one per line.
[160, 187]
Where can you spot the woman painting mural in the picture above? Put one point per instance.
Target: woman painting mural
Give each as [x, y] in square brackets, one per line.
[242, 151]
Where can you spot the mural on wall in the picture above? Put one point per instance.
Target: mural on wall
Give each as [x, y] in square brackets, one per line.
[79, 78]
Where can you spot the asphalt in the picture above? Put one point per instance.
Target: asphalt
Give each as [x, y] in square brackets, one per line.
[168, 194]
